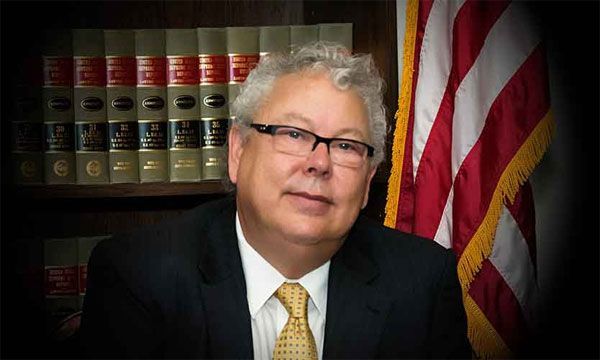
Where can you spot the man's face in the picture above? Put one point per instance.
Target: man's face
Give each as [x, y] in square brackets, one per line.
[303, 199]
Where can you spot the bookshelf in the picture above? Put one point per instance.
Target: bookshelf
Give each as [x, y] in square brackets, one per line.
[44, 211]
[45, 192]
[374, 31]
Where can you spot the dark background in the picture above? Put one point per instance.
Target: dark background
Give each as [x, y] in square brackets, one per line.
[569, 256]
[566, 184]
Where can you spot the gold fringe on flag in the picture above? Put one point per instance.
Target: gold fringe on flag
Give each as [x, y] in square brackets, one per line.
[404, 100]
[486, 342]
[514, 176]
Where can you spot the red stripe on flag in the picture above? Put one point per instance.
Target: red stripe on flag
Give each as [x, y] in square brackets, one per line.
[473, 23]
[406, 201]
[434, 176]
[500, 306]
[405, 213]
[514, 114]
[424, 11]
[523, 211]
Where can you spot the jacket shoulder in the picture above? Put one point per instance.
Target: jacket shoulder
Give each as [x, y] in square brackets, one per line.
[165, 249]
[397, 254]
[387, 239]
[193, 222]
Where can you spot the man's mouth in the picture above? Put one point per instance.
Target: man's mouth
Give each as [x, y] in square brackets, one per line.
[314, 197]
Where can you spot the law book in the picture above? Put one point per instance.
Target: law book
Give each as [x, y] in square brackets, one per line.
[89, 93]
[85, 246]
[121, 112]
[337, 32]
[303, 34]
[57, 113]
[214, 99]
[151, 64]
[22, 99]
[26, 152]
[274, 39]
[243, 56]
[183, 108]
[61, 288]
[26, 120]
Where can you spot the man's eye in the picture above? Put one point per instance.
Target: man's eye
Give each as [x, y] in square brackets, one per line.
[294, 134]
[347, 146]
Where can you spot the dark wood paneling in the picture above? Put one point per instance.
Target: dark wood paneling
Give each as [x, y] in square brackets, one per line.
[133, 14]
[232, 13]
[257, 12]
[117, 190]
[181, 15]
[85, 14]
[65, 217]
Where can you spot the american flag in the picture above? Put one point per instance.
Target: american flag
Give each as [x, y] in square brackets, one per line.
[473, 121]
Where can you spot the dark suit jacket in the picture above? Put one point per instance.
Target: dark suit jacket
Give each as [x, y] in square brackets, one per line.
[178, 291]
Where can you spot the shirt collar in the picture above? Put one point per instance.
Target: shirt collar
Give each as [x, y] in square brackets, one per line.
[262, 279]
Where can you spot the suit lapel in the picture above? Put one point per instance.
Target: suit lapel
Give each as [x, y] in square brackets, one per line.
[356, 307]
[223, 291]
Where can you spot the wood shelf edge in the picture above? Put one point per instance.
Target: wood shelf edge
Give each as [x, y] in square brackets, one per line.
[118, 190]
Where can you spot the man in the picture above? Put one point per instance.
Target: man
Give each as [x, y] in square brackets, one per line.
[287, 268]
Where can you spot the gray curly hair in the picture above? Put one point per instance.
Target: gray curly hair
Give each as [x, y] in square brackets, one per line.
[346, 71]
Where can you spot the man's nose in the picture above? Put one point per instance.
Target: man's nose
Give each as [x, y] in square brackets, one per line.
[318, 161]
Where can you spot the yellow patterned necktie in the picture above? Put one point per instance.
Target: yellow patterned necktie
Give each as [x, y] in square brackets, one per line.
[295, 341]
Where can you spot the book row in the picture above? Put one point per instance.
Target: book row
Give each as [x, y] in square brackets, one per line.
[139, 106]
[54, 273]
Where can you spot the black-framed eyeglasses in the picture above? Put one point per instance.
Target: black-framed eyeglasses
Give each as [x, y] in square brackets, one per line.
[296, 141]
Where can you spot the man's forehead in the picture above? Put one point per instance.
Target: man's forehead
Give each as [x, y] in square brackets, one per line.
[300, 120]
[310, 100]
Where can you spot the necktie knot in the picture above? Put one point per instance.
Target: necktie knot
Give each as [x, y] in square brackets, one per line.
[296, 341]
[294, 298]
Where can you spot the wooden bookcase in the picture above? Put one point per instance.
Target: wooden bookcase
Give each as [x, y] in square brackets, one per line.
[62, 211]
[374, 32]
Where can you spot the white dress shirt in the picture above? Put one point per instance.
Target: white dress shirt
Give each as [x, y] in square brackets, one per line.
[268, 315]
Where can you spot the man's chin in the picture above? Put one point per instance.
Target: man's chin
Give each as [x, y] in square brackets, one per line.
[308, 233]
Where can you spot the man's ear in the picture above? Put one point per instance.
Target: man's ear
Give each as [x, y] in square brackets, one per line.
[367, 187]
[235, 145]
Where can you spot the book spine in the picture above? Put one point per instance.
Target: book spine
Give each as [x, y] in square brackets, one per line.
[26, 147]
[243, 56]
[123, 142]
[26, 125]
[61, 284]
[214, 101]
[25, 116]
[340, 33]
[301, 35]
[274, 39]
[183, 108]
[57, 99]
[151, 105]
[91, 126]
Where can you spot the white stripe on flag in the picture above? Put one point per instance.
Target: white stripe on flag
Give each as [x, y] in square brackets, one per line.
[434, 69]
[507, 46]
[510, 256]
[443, 234]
